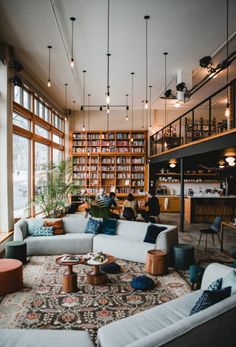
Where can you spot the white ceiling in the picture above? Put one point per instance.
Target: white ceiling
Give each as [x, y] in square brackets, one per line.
[187, 29]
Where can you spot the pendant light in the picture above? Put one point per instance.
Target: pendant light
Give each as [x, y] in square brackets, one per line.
[49, 66]
[132, 106]
[108, 57]
[150, 108]
[66, 116]
[84, 72]
[146, 102]
[142, 115]
[227, 110]
[127, 108]
[165, 55]
[72, 63]
[89, 95]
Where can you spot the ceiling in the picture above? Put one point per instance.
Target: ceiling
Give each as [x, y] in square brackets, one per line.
[187, 29]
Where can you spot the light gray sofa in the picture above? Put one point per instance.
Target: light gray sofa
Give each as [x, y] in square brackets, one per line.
[126, 244]
[44, 338]
[170, 324]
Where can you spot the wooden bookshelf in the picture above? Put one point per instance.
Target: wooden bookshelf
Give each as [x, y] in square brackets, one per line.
[110, 160]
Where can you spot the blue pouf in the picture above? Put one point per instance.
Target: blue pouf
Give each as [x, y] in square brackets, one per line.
[112, 268]
[195, 273]
[142, 283]
[234, 254]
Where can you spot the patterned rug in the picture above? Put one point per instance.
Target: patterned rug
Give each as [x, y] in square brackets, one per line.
[42, 304]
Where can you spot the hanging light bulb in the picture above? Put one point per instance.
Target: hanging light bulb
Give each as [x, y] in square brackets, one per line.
[72, 64]
[127, 108]
[150, 109]
[108, 109]
[165, 144]
[83, 127]
[146, 102]
[108, 99]
[227, 110]
[177, 103]
[49, 66]
[84, 72]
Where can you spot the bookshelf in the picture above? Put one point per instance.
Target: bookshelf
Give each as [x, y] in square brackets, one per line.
[110, 160]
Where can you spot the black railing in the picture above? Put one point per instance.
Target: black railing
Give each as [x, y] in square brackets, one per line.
[204, 120]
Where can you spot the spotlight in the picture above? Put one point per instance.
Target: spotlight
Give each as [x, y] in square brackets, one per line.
[16, 65]
[181, 87]
[17, 81]
[206, 62]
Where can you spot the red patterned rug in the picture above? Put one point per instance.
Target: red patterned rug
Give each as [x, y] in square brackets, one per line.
[42, 304]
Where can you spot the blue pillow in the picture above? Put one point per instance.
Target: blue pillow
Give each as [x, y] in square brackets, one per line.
[142, 283]
[112, 268]
[230, 280]
[109, 226]
[33, 223]
[152, 232]
[209, 298]
[92, 226]
[216, 285]
[43, 231]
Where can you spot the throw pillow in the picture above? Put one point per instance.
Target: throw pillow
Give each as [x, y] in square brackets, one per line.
[230, 280]
[216, 285]
[32, 223]
[142, 283]
[112, 268]
[43, 231]
[209, 298]
[152, 232]
[57, 225]
[92, 226]
[109, 226]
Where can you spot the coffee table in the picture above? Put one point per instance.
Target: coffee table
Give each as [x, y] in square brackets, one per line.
[96, 276]
[69, 277]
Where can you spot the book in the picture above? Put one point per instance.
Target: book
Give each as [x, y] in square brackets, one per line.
[70, 258]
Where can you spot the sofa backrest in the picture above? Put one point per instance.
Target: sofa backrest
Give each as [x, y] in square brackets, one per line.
[75, 223]
[213, 272]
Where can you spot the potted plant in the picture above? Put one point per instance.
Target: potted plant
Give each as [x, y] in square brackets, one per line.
[56, 185]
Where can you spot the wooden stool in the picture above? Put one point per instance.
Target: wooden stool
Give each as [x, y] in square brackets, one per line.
[11, 276]
[156, 262]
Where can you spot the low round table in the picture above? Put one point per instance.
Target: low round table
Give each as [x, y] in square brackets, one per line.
[156, 262]
[183, 256]
[69, 277]
[11, 276]
[96, 276]
[16, 250]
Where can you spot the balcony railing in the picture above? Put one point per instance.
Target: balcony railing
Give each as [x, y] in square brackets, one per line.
[202, 121]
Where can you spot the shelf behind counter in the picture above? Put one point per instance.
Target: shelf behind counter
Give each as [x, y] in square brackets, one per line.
[203, 209]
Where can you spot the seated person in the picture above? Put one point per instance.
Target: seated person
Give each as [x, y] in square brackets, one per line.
[130, 208]
[153, 209]
[110, 202]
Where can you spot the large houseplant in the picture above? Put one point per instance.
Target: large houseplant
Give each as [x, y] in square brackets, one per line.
[56, 183]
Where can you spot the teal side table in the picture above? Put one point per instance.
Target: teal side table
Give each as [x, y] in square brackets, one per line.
[16, 250]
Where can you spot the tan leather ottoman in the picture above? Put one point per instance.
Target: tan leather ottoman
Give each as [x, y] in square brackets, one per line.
[11, 276]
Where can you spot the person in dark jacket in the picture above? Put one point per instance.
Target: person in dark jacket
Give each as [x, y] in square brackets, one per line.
[153, 209]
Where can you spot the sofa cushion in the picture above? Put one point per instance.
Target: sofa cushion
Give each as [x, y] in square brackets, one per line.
[230, 280]
[142, 283]
[34, 222]
[43, 231]
[209, 298]
[108, 226]
[152, 232]
[57, 225]
[93, 226]
[215, 285]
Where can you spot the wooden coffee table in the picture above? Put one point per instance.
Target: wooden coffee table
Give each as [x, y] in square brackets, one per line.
[69, 277]
[96, 276]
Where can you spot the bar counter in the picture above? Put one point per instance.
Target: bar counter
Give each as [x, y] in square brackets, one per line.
[203, 209]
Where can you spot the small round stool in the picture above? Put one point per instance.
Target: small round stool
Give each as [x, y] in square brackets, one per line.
[11, 276]
[183, 256]
[156, 262]
[16, 250]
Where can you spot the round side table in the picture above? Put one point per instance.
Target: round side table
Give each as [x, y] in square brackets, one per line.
[16, 250]
[183, 256]
[156, 262]
[11, 276]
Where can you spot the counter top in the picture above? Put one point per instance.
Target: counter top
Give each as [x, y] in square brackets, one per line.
[211, 197]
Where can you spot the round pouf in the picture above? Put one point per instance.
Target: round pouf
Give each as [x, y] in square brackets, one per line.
[142, 283]
[112, 268]
[11, 276]
[16, 250]
[156, 263]
[183, 256]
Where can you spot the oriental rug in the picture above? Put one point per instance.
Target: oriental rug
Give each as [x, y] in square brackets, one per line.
[42, 304]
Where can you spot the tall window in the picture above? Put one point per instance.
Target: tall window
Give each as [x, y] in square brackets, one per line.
[21, 148]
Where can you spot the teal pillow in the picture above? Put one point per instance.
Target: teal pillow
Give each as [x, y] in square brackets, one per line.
[230, 281]
[109, 226]
[43, 231]
[216, 285]
[34, 222]
[93, 226]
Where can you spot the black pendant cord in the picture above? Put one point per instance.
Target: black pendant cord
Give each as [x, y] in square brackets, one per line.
[108, 49]
[132, 100]
[227, 47]
[89, 95]
[146, 18]
[66, 85]
[72, 40]
[142, 115]
[150, 108]
[127, 107]
[84, 71]
[49, 66]
[165, 54]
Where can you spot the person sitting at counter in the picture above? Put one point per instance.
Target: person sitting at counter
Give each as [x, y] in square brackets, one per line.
[130, 208]
[153, 209]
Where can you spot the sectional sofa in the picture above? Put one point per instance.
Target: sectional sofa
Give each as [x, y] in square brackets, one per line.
[127, 243]
[166, 325]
